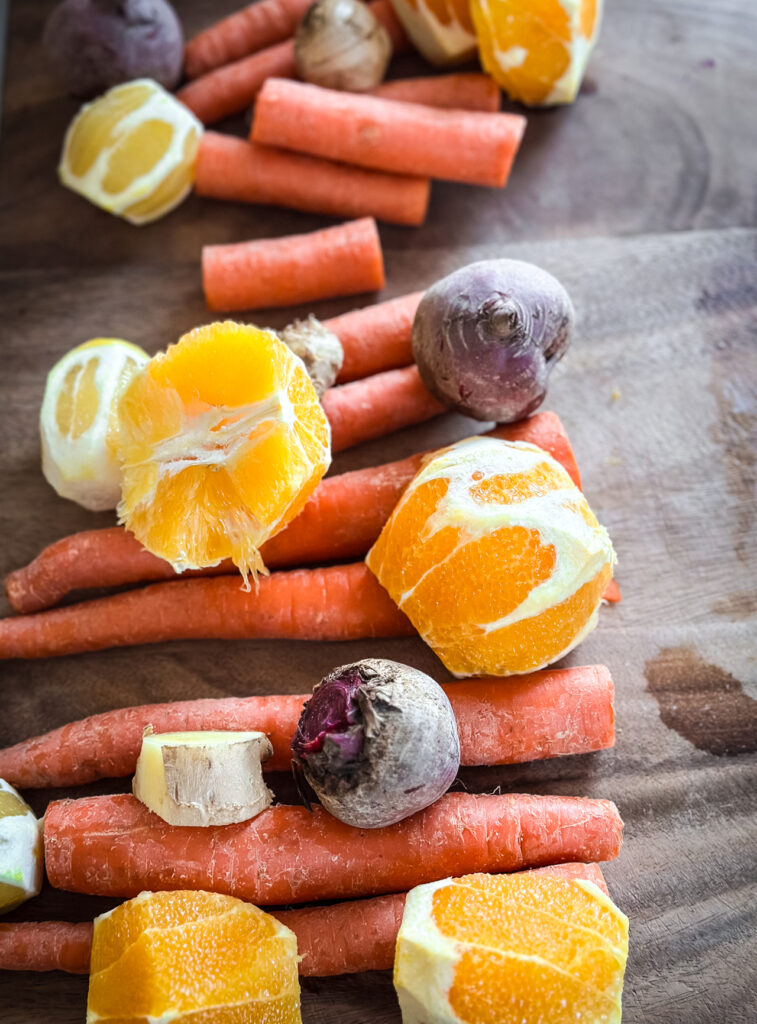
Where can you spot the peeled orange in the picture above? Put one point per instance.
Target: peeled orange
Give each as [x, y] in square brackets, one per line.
[222, 440]
[132, 151]
[79, 420]
[441, 29]
[537, 50]
[510, 949]
[198, 957]
[495, 557]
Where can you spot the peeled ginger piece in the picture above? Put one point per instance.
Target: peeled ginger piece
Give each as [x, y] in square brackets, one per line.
[203, 778]
[20, 850]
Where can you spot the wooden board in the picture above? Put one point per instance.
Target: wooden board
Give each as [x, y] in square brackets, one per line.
[640, 198]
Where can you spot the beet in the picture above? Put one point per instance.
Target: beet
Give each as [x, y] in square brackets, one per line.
[486, 338]
[96, 44]
[377, 742]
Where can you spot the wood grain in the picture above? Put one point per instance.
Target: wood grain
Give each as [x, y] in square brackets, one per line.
[641, 199]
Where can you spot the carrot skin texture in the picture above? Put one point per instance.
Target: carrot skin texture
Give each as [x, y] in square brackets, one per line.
[341, 260]
[340, 521]
[370, 927]
[461, 91]
[378, 405]
[406, 138]
[231, 88]
[551, 713]
[376, 338]
[339, 603]
[114, 846]
[253, 28]
[231, 168]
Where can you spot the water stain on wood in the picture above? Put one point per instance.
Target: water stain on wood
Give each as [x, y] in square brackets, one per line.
[702, 702]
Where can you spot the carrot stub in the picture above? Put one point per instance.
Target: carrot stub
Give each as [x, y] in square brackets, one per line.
[231, 168]
[345, 938]
[341, 260]
[114, 846]
[406, 138]
[232, 87]
[547, 714]
[253, 28]
[462, 91]
[341, 520]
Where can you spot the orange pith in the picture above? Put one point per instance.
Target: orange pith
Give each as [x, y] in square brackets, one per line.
[501, 949]
[496, 558]
[222, 441]
[194, 957]
[447, 11]
[528, 45]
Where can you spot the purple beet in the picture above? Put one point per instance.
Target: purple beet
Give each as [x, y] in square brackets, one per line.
[486, 337]
[377, 742]
[96, 44]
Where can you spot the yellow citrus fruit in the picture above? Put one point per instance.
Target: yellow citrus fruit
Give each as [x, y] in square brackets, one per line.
[222, 440]
[132, 151]
[79, 420]
[510, 949]
[496, 558]
[197, 957]
[20, 850]
[441, 29]
[537, 50]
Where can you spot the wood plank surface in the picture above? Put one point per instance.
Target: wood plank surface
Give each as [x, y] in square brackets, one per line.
[641, 199]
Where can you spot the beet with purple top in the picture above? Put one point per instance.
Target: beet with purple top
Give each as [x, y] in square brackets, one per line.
[486, 337]
[377, 742]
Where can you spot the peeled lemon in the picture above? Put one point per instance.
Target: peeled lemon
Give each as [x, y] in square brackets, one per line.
[132, 151]
[20, 850]
[79, 422]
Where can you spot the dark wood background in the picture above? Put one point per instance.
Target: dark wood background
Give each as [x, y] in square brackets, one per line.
[641, 198]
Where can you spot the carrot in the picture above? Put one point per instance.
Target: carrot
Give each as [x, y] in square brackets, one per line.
[344, 602]
[341, 260]
[406, 138]
[231, 168]
[377, 337]
[253, 28]
[546, 714]
[612, 592]
[377, 405]
[341, 520]
[114, 846]
[462, 91]
[229, 89]
[345, 938]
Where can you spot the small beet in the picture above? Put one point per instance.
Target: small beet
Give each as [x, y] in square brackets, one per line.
[96, 44]
[377, 742]
[486, 337]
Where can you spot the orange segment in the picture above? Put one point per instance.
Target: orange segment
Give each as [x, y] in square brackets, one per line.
[536, 49]
[495, 556]
[441, 29]
[192, 957]
[511, 949]
[222, 440]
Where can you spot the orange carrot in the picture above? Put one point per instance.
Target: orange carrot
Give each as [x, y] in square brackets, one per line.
[344, 602]
[462, 91]
[345, 938]
[612, 592]
[253, 28]
[341, 260]
[229, 89]
[406, 138]
[231, 168]
[340, 521]
[114, 846]
[377, 405]
[377, 337]
[546, 714]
